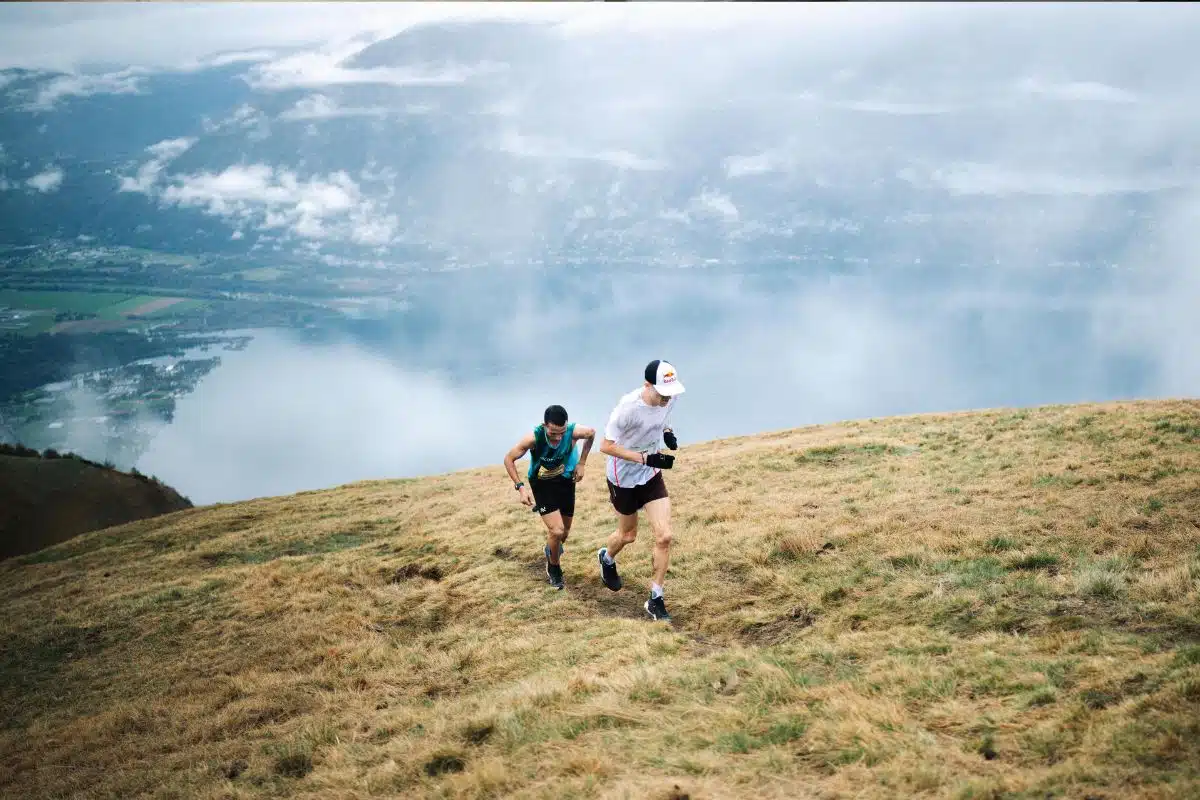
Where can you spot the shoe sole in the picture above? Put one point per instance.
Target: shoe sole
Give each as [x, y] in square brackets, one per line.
[616, 588]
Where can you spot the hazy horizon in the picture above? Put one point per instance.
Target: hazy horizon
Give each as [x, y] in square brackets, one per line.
[817, 212]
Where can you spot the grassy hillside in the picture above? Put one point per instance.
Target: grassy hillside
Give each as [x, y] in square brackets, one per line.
[44, 501]
[992, 604]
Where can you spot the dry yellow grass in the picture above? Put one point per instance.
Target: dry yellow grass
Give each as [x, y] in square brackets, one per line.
[989, 604]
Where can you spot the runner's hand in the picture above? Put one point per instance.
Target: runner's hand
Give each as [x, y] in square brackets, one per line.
[660, 460]
[526, 496]
[669, 438]
[578, 476]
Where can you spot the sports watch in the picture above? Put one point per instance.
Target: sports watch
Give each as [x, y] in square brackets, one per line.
[517, 486]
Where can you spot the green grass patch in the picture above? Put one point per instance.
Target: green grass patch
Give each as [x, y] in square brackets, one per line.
[1000, 544]
[70, 549]
[327, 544]
[39, 321]
[1104, 580]
[779, 733]
[907, 561]
[837, 453]
[972, 573]
[1188, 656]
[1151, 506]
[33, 663]
[80, 302]
[1188, 430]
[820, 455]
[1046, 561]
[1047, 481]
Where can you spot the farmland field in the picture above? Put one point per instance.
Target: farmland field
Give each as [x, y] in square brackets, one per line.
[179, 307]
[78, 302]
[140, 305]
[101, 311]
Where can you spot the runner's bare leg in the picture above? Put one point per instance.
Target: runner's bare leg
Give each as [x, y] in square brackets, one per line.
[625, 533]
[555, 533]
[659, 513]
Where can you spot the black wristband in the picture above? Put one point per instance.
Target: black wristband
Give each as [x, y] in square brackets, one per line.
[517, 486]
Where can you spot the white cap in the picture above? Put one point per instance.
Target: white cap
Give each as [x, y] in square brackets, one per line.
[662, 375]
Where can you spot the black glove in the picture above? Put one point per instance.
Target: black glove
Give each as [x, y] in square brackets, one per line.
[669, 438]
[660, 460]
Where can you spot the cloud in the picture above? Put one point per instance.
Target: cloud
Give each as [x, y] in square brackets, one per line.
[325, 67]
[319, 106]
[46, 181]
[709, 203]
[328, 207]
[895, 108]
[235, 57]
[523, 146]
[128, 81]
[162, 154]
[804, 351]
[881, 209]
[244, 117]
[71, 36]
[364, 417]
[989, 179]
[1087, 91]
[1156, 318]
[757, 164]
[68, 37]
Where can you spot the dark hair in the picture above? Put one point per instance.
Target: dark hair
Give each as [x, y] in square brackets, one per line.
[555, 415]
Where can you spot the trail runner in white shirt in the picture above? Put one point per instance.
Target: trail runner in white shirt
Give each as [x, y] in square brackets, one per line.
[634, 473]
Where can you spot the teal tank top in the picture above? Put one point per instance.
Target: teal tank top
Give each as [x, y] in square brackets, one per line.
[548, 461]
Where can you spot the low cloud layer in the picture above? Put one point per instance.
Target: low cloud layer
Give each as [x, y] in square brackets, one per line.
[841, 211]
[46, 181]
[68, 86]
[284, 416]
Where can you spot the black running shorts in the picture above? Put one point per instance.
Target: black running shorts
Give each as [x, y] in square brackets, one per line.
[555, 494]
[630, 499]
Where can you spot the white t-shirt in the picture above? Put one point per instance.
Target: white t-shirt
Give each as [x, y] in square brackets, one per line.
[639, 427]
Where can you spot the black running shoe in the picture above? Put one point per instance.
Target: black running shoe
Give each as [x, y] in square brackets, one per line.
[608, 572]
[553, 571]
[657, 609]
[554, 574]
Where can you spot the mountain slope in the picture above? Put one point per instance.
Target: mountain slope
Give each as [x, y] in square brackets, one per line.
[955, 605]
[44, 501]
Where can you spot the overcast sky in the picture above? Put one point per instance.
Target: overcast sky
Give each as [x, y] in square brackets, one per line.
[71, 36]
[715, 118]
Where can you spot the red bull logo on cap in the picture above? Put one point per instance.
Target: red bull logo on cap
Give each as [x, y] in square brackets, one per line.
[668, 377]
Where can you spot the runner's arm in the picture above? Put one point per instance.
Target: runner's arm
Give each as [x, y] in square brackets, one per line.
[588, 435]
[518, 450]
[611, 448]
[668, 431]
